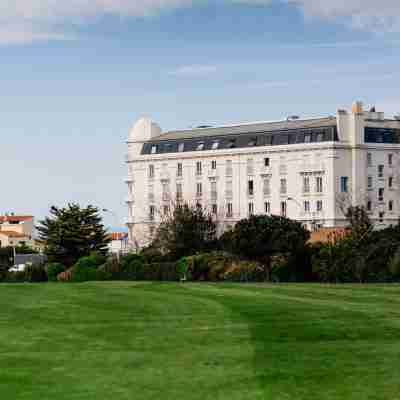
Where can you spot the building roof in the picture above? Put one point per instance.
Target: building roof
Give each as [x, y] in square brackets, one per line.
[118, 235]
[327, 235]
[255, 127]
[13, 234]
[15, 218]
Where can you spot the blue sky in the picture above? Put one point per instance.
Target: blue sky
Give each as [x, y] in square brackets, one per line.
[74, 77]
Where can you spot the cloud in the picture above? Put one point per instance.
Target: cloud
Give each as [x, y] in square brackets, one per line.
[194, 71]
[373, 15]
[28, 20]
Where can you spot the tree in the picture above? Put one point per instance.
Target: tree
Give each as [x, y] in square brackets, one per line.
[73, 232]
[187, 230]
[261, 237]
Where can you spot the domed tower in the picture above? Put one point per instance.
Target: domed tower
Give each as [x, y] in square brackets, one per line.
[142, 131]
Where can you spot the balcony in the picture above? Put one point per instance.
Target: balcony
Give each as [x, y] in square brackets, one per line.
[129, 199]
[129, 179]
[129, 220]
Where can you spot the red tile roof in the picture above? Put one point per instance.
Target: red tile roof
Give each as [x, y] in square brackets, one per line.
[13, 234]
[15, 218]
[118, 235]
[326, 235]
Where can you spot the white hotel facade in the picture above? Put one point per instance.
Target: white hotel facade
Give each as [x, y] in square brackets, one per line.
[305, 169]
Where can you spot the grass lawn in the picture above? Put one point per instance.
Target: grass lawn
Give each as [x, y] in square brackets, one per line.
[120, 340]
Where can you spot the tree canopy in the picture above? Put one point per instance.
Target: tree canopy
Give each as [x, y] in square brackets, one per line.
[188, 230]
[73, 232]
[260, 237]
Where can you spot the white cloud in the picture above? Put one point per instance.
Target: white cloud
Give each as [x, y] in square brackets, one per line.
[18, 17]
[365, 14]
[194, 71]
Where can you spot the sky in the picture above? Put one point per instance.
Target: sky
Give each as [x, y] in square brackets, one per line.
[74, 77]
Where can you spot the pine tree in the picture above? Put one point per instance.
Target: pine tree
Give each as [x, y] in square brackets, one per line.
[73, 232]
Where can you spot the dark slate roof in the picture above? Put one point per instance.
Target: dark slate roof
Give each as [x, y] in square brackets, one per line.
[258, 127]
[242, 136]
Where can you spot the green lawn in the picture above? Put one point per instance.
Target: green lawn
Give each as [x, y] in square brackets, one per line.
[117, 340]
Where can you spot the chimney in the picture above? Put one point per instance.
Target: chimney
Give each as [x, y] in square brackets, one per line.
[357, 107]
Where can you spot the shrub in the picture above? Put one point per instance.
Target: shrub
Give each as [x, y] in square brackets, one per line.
[244, 271]
[182, 269]
[53, 269]
[35, 273]
[65, 276]
[84, 270]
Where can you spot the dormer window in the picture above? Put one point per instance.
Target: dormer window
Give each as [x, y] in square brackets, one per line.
[181, 147]
[231, 144]
[215, 145]
[200, 146]
[252, 142]
[153, 149]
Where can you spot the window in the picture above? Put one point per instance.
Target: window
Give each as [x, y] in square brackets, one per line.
[318, 184]
[215, 145]
[369, 160]
[181, 147]
[165, 191]
[228, 167]
[283, 186]
[251, 208]
[267, 207]
[307, 138]
[199, 189]
[213, 190]
[229, 211]
[250, 188]
[151, 171]
[380, 171]
[179, 192]
[381, 216]
[199, 206]
[151, 194]
[390, 205]
[390, 159]
[306, 206]
[250, 166]
[214, 209]
[380, 194]
[166, 210]
[252, 142]
[200, 146]
[229, 191]
[266, 162]
[370, 182]
[390, 182]
[320, 137]
[344, 184]
[198, 168]
[152, 212]
[283, 208]
[231, 144]
[369, 205]
[153, 149]
[319, 205]
[267, 186]
[306, 184]
[179, 170]
[213, 164]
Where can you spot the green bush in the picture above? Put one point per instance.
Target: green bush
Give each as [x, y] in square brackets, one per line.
[53, 269]
[84, 270]
[35, 273]
[245, 271]
[182, 269]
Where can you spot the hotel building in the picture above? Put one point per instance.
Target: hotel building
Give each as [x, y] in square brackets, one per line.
[306, 169]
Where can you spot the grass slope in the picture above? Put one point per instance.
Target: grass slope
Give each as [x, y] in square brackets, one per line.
[120, 340]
